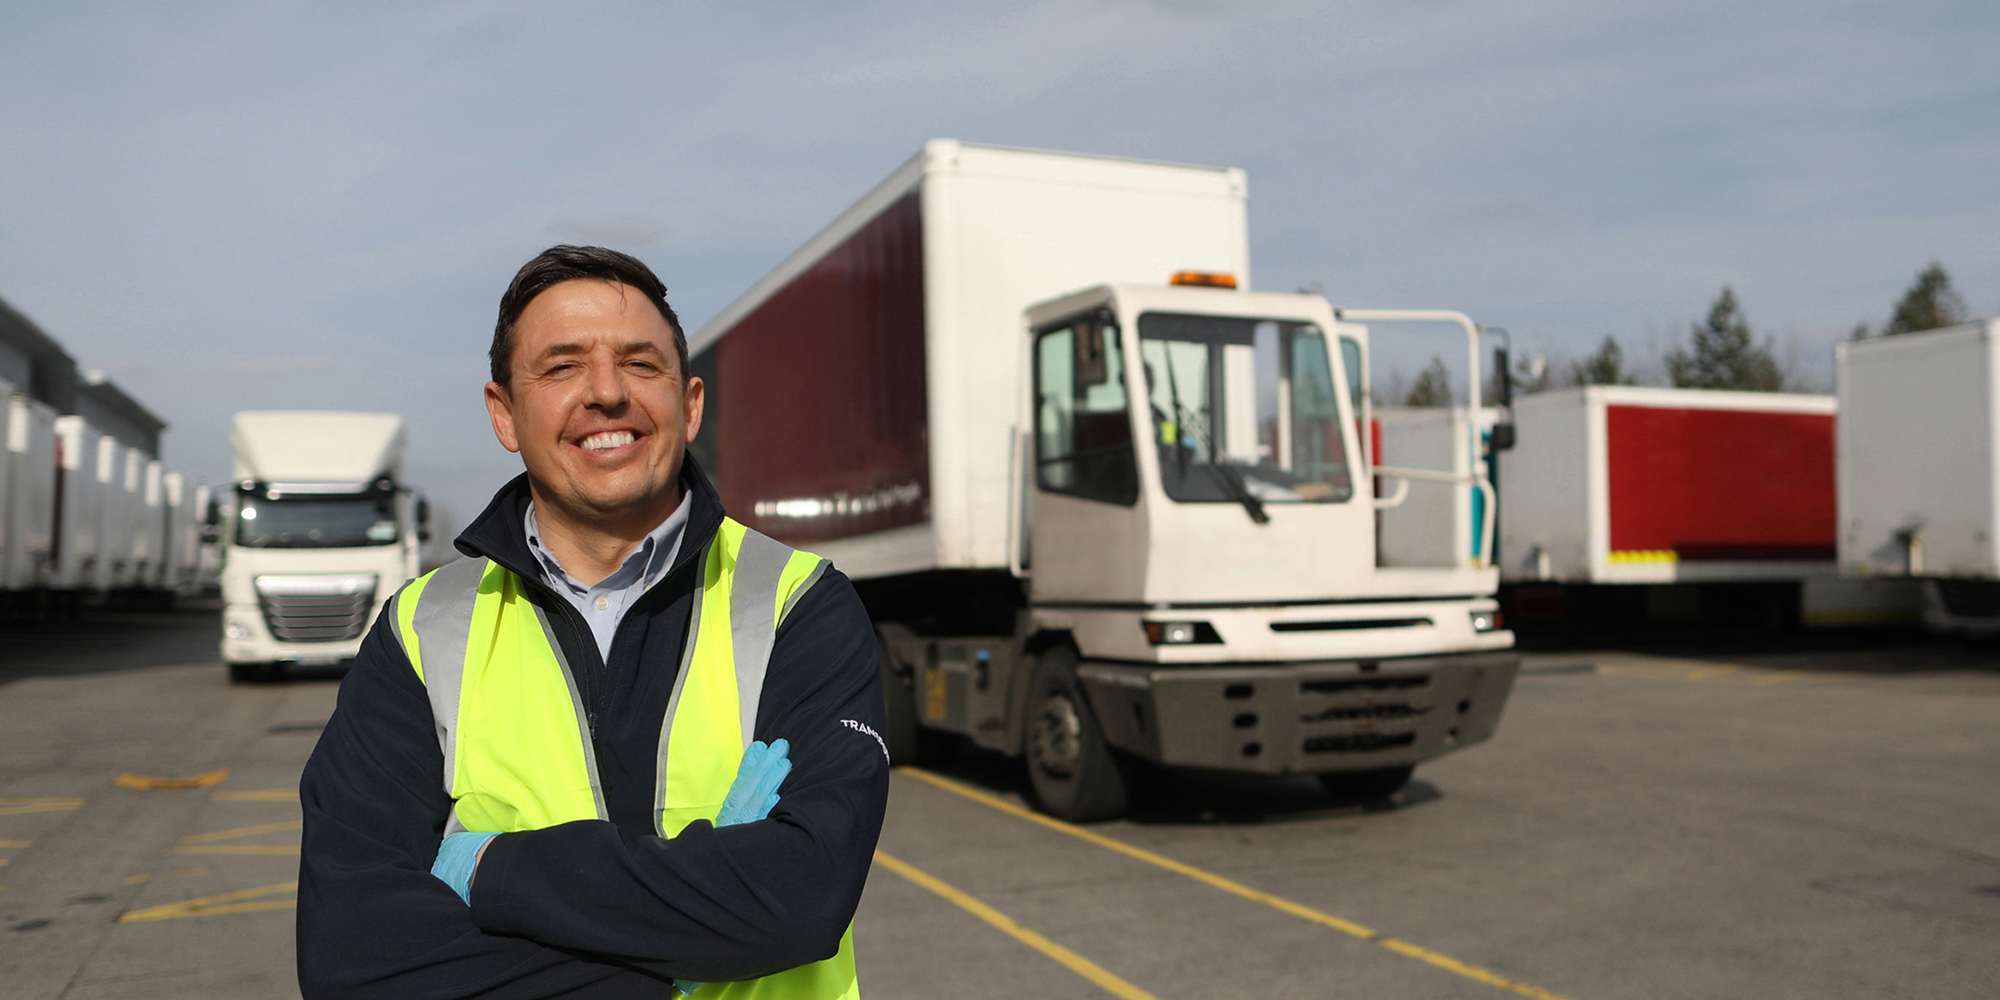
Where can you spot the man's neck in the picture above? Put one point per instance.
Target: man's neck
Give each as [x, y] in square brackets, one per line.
[591, 550]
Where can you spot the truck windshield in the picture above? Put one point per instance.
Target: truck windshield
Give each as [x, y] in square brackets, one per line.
[315, 521]
[1243, 406]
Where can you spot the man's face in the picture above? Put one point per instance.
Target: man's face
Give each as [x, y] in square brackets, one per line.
[597, 409]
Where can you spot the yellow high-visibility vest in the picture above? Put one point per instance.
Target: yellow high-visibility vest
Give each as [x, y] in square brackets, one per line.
[517, 748]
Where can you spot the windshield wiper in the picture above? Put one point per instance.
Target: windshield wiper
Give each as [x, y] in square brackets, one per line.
[1230, 479]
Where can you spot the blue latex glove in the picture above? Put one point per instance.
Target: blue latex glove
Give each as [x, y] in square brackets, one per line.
[754, 793]
[751, 797]
[457, 858]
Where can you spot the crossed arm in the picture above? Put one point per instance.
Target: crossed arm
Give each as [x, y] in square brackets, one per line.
[587, 908]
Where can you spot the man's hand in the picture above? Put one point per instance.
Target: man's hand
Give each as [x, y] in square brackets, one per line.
[754, 793]
[751, 797]
[458, 858]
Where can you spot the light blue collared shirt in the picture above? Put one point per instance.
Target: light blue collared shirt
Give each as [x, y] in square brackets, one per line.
[604, 605]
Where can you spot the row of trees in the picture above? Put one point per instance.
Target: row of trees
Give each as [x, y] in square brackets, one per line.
[1721, 352]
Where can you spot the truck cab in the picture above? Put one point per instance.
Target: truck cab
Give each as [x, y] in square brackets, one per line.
[315, 536]
[1200, 536]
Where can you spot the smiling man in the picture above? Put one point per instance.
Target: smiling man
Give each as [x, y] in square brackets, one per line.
[618, 750]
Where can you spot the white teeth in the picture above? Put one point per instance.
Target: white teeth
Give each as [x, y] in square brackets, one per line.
[607, 440]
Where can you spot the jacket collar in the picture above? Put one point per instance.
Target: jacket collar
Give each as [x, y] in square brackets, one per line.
[499, 533]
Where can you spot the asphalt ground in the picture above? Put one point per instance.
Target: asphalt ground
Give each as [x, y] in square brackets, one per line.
[1814, 823]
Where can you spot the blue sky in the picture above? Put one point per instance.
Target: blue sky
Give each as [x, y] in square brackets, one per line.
[232, 206]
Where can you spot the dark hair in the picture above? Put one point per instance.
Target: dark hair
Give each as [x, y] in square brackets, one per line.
[562, 263]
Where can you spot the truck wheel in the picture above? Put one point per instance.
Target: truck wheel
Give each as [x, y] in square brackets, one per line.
[1075, 776]
[899, 708]
[1366, 786]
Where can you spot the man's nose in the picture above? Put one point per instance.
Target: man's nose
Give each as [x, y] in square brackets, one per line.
[607, 385]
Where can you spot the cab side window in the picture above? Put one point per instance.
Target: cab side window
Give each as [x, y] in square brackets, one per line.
[1083, 433]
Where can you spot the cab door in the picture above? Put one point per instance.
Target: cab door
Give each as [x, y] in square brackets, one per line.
[1088, 535]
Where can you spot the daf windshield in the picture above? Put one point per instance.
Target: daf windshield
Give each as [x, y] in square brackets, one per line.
[1244, 410]
[315, 520]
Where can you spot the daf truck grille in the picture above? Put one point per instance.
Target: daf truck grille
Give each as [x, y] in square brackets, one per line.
[316, 608]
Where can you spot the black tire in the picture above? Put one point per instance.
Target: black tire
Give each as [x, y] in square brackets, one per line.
[1074, 774]
[1366, 786]
[899, 708]
[250, 673]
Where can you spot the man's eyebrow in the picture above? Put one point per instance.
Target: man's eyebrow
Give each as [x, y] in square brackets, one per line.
[555, 350]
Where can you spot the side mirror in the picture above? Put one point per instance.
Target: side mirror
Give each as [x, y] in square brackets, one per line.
[209, 534]
[1502, 437]
[214, 515]
[423, 519]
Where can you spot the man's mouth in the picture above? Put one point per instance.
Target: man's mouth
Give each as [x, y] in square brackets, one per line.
[607, 440]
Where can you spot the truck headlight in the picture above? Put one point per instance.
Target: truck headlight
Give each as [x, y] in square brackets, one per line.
[1180, 633]
[1485, 621]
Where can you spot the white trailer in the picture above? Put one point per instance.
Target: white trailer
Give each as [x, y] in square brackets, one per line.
[317, 534]
[1919, 464]
[79, 460]
[1729, 496]
[1103, 501]
[27, 561]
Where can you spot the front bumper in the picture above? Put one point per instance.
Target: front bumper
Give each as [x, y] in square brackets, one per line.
[1299, 718]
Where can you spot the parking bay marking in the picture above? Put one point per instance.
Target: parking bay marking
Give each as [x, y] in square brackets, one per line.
[1236, 888]
[18, 807]
[214, 906]
[205, 843]
[258, 795]
[1074, 962]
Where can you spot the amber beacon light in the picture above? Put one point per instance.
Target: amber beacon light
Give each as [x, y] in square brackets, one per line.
[1204, 279]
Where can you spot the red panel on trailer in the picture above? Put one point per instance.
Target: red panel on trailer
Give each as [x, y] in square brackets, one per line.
[1721, 484]
[820, 393]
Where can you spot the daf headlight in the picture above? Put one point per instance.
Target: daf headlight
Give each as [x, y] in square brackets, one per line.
[1485, 621]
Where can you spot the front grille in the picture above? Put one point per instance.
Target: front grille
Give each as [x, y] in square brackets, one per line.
[316, 608]
[1970, 598]
[1342, 714]
[1359, 742]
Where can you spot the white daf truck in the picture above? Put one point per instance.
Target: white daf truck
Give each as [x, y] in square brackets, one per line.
[316, 533]
[1104, 503]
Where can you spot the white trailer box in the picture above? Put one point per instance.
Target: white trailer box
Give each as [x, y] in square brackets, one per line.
[180, 532]
[962, 239]
[27, 561]
[117, 475]
[1919, 448]
[77, 519]
[149, 526]
[1627, 484]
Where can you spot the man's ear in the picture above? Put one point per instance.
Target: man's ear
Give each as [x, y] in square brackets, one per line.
[500, 407]
[693, 398]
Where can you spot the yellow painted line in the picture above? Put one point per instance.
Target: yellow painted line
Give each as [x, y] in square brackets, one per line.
[11, 844]
[210, 906]
[5, 861]
[241, 831]
[258, 795]
[21, 807]
[1236, 888]
[235, 849]
[1074, 962]
[138, 879]
[147, 783]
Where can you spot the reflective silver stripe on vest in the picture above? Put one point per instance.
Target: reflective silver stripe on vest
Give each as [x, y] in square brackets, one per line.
[806, 584]
[443, 624]
[583, 727]
[753, 624]
[674, 700]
